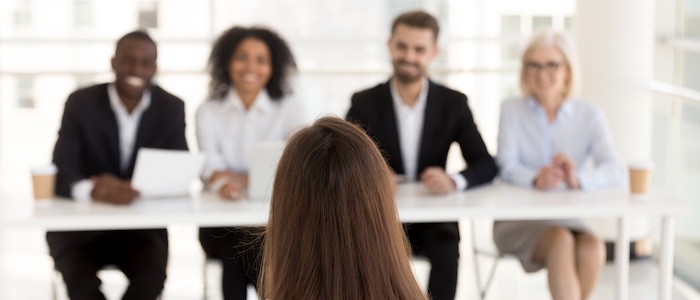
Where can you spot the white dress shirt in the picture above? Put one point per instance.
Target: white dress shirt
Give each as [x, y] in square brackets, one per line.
[409, 121]
[226, 131]
[128, 125]
[527, 141]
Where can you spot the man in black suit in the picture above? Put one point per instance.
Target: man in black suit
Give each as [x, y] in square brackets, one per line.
[414, 121]
[103, 127]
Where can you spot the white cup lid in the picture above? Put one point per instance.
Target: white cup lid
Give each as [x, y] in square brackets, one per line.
[45, 170]
[641, 165]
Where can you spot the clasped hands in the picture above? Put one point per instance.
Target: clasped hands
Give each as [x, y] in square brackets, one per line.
[562, 169]
[230, 185]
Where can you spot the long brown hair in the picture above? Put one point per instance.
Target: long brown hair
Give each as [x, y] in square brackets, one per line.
[333, 231]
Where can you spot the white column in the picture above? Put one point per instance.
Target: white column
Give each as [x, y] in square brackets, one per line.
[616, 41]
[616, 47]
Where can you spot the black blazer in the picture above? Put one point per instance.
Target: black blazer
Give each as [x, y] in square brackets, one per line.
[88, 145]
[447, 119]
[88, 141]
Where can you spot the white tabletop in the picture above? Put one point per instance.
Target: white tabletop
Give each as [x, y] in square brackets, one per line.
[509, 202]
[415, 204]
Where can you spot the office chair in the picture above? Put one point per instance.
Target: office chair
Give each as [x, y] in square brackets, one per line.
[495, 255]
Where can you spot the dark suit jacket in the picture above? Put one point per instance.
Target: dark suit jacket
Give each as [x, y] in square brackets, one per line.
[447, 119]
[88, 143]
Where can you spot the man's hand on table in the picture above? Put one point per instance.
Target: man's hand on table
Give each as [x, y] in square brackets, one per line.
[111, 189]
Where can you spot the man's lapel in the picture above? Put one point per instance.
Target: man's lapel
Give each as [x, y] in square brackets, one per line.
[431, 123]
[112, 144]
[389, 128]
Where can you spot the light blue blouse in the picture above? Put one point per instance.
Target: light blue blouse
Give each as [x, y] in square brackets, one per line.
[527, 142]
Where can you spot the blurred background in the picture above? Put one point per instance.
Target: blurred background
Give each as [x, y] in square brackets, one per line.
[49, 48]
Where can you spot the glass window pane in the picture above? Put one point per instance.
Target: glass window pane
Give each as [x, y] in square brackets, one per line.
[82, 81]
[25, 91]
[148, 14]
[691, 72]
[692, 18]
[23, 13]
[510, 25]
[568, 23]
[541, 22]
[83, 13]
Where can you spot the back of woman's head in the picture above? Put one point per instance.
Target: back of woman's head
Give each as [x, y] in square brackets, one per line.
[333, 231]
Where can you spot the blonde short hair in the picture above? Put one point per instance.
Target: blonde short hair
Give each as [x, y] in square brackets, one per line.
[565, 44]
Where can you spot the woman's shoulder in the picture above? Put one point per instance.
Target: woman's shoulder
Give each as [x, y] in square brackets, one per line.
[288, 98]
[210, 105]
[515, 104]
[288, 102]
[584, 107]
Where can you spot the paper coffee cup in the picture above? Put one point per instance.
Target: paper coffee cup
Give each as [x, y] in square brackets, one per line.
[640, 176]
[43, 180]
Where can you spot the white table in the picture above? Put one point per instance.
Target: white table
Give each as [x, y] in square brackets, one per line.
[415, 204]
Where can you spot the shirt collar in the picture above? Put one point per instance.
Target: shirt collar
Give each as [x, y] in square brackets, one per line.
[566, 108]
[262, 102]
[422, 96]
[117, 105]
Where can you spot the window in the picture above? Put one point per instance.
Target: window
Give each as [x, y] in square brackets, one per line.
[568, 24]
[510, 51]
[148, 14]
[510, 25]
[25, 91]
[82, 81]
[691, 57]
[541, 22]
[83, 13]
[23, 13]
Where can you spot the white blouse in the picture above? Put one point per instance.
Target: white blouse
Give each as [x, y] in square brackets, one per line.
[527, 141]
[226, 131]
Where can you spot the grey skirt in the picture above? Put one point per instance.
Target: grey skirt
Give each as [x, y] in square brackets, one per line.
[519, 238]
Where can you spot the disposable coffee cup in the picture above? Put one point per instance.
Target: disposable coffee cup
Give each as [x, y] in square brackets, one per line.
[43, 180]
[640, 176]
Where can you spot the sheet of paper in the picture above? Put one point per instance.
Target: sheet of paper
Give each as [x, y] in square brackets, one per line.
[165, 173]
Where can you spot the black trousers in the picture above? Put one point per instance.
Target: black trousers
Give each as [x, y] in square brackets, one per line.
[142, 255]
[439, 242]
[240, 253]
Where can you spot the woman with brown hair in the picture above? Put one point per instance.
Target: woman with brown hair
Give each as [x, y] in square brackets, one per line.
[334, 231]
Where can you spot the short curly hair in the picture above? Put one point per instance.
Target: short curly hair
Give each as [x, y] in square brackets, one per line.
[222, 52]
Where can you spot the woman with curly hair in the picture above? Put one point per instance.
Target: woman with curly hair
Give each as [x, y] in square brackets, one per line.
[249, 102]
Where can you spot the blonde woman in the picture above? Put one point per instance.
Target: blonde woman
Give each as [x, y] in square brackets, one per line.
[549, 139]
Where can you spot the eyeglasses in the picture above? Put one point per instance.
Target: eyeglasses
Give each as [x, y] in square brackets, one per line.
[533, 68]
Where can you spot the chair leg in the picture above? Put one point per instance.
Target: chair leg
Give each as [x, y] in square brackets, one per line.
[54, 284]
[204, 279]
[477, 273]
[475, 256]
[490, 279]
